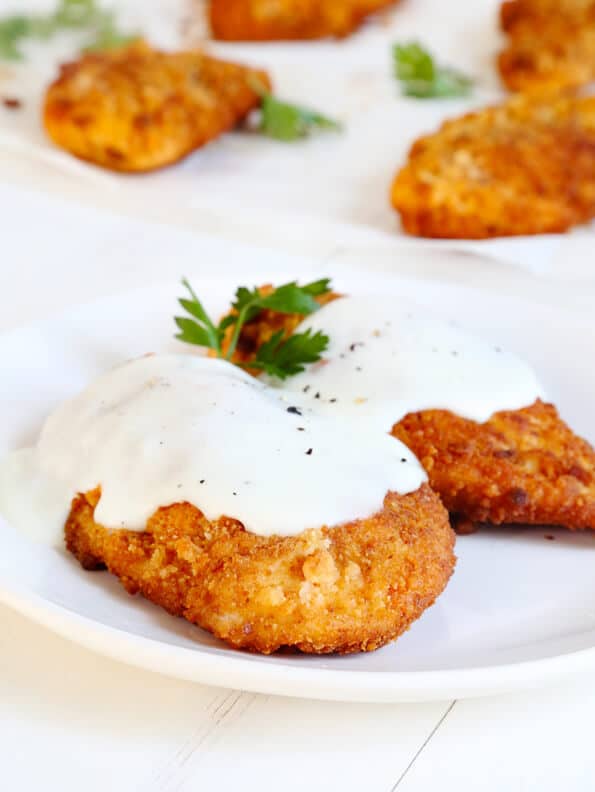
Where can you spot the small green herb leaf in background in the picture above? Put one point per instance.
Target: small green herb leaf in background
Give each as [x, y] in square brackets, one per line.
[288, 122]
[84, 15]
[421, 77]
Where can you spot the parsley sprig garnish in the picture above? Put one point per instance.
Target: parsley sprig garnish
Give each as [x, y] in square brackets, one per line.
[422, 78]
[81, 15]
[288, 122]
[279, 356]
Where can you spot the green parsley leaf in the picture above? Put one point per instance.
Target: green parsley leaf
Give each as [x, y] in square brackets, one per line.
[201, 332]
[316, 288]
[289, 299]
[76, 14]
[285, 358]
[12, 30]
[422, 78]
[289, 122]
[69, 15]
[192, 333]
[278, 357]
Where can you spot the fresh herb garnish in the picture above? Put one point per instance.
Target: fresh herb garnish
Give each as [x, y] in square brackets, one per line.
[423, 78]
[69, 15]
[289, 122]
[279, 356]
[285, 358]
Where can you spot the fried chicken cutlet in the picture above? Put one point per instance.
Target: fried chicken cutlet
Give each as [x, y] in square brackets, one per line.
[270, 20]
[346, 589]
[523, 466]
[551, 44]
[524, 167]
[138, 109]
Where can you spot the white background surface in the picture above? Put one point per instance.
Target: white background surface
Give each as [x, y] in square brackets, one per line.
[70, 720]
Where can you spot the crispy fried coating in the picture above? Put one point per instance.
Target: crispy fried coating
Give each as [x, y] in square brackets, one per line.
[346, 589]
[270, 20]
[551, 44]
[524, 167]
[138, 109]
[523, 466]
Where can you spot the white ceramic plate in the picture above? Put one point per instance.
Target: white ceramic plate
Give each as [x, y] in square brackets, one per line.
[519, 610]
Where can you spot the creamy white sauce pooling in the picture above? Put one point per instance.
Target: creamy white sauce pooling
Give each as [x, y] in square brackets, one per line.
[173, 428]
[387, 359]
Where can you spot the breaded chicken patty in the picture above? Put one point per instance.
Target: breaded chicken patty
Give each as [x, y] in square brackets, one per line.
[269, 20]
[523, 167]
[522, 466]
[138, 109]
[345, 589]
[551, 44]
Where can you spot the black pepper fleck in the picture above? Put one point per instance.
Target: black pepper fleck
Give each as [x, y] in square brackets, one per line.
[202, 481]
[353, 346]
[309, 452]
[294, 410]
[317, 396]
[332, 401]
[306, 388]
[403, 459]
[301, 429]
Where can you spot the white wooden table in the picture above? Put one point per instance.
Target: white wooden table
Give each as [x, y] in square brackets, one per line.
[71, 720]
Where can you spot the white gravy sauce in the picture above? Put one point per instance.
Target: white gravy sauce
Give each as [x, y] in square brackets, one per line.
[313, 452]
[387, 359]
[173, 428]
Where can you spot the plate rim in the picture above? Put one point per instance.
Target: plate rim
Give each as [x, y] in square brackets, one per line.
[231, 670]
[325, 684]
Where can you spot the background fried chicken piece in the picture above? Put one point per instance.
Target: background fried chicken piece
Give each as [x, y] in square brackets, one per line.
[523, 466]
[524, 167]
[345, 589]
[551, 44]
[137, 109]
[270, 20]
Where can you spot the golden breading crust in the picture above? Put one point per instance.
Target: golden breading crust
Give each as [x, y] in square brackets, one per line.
[551, 44]
[524, 466]
[523, 167]
[270, 20]
[346, 589]
[137, 109]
